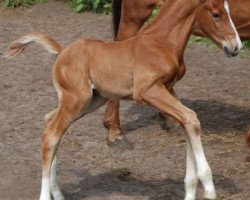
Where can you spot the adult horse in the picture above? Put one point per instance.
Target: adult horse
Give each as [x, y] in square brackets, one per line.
[144, 69]
[128, 17]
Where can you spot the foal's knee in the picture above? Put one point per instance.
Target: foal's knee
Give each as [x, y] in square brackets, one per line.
[190, 121]
[49, 142]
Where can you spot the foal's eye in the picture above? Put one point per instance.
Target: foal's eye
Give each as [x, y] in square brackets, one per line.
[216, 16]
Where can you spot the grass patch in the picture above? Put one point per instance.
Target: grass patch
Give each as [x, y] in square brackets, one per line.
[202, 41]
[213, 48]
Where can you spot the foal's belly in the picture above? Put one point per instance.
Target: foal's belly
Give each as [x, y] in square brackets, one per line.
[113, 84]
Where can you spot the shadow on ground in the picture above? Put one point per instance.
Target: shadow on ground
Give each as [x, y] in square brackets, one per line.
[214, 116]
[104, 185]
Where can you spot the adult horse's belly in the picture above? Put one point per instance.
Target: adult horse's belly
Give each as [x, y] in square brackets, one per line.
[240, 13]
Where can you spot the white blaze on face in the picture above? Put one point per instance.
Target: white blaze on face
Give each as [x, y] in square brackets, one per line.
[233, 26]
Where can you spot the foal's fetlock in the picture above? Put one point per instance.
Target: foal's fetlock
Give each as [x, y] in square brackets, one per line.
[190, 188]
[207, 181]
[57, 195]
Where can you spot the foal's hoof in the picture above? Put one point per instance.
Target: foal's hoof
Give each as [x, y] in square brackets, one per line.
[210, 195]
[120, 143]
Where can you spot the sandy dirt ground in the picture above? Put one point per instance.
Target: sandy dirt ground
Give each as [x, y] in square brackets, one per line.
[216, 87]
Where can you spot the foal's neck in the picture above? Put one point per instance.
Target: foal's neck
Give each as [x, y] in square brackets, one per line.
[173, 24]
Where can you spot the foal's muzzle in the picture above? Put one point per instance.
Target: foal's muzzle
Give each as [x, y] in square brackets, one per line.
[232, 47]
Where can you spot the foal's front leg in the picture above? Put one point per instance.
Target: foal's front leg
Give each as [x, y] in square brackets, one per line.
[159, 97]
[170, 123]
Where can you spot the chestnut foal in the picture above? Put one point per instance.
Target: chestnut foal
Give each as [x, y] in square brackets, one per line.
[144, 69]
[128, 17]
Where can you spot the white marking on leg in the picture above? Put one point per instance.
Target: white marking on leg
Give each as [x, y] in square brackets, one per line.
[55, 190]
[191, 180]
[239, 43]
[203, 170]
[45, 191]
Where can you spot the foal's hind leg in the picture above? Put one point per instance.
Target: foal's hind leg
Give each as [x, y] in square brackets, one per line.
[54, 188]
[49, 116]
[71, 108]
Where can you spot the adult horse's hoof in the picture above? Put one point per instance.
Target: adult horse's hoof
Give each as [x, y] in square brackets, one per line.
[120, 143]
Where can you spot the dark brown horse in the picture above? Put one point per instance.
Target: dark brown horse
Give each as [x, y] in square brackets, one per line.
[248, 137]
[128, 17]
[144, 69]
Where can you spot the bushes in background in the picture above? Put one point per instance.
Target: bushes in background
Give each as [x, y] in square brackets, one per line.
[98, 6]
[16, 3]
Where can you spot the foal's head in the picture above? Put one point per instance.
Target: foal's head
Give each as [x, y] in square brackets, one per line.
[214, 19]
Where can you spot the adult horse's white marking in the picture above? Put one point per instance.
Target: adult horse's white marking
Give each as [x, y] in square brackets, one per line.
[239, 43]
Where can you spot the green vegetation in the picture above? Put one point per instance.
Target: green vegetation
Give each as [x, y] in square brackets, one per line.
[213, 48]
[247, 44]
[203, 41]
[105, 7]
[16, 3]
[98, 6]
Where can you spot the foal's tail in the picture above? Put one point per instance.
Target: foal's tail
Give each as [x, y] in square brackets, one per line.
[43, 39]
[116, 13]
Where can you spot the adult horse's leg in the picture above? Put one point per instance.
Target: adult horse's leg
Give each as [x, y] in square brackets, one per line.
[160, 98]
[132, 16]
[248, 137]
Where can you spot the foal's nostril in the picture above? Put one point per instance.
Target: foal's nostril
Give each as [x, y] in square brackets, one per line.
[236, 49]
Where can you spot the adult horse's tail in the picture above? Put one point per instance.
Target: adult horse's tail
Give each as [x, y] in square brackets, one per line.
[43, 39]
[248, 137]
[116, 12]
